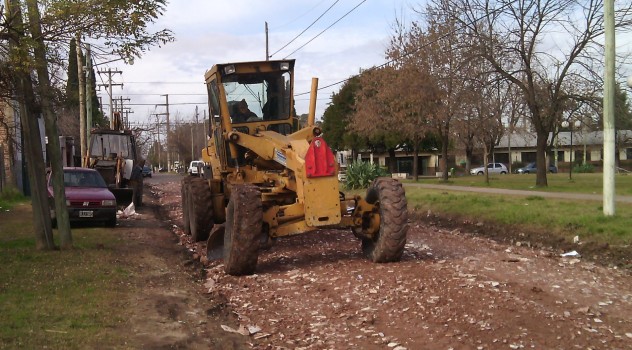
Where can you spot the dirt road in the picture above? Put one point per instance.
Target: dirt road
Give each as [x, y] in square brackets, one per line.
[452, 289]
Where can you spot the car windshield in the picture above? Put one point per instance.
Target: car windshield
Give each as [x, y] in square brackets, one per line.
[82, 179]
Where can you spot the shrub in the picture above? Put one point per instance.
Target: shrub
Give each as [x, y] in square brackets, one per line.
[584, 168]
[361, 174]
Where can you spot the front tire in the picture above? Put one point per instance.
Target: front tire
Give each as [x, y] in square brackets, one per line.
[388, 244]
[200, 209]
[480, 173]
[244, 224]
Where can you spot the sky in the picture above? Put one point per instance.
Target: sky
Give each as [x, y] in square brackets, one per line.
[220, 31]
[211, 32]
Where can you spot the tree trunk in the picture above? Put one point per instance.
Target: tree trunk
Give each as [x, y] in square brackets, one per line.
[469, 151]
[443, 163]
[540, 162]
[33, 140]
[415, 160]
[52, 131]
[392, 160]
[485, 162]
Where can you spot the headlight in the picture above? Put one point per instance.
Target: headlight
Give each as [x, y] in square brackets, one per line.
[229, 69]
[108, 203]
[285, 65]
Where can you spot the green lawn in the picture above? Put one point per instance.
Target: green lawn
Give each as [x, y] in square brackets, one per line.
[564, 218]
[58, 299]
[580, 183]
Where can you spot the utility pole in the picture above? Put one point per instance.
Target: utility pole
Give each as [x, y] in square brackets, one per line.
[126, 122]
[166, 104]
[88, 101]
[109, 84]
[193, 136]
[267, 47]
[204, 138]
[608, 113]
[82, 101]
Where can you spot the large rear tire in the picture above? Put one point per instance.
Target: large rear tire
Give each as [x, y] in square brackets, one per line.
[200, 209]
[184, 192]
[388, 244]
[244, 221]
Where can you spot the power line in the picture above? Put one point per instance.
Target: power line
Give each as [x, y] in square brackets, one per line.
[304, 30]
[171, 104]
[161, 94]
[164, 82]
[324, 30]
[300, 16]
[408, 53]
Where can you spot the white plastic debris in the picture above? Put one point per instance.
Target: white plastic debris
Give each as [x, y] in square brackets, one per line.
[130, 210]
[576, 239]
[571, 253]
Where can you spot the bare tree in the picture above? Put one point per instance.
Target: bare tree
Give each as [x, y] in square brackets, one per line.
[538, 46]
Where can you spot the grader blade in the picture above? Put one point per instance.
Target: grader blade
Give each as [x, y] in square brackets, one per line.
[215, 243]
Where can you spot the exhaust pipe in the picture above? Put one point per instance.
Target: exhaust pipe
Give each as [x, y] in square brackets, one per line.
[311, 117]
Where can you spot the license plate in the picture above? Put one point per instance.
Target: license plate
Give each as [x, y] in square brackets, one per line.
[86, 213]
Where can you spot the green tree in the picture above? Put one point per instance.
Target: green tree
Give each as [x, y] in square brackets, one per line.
[622, 109]
[337, 115]
[72, 84]
[72, 88]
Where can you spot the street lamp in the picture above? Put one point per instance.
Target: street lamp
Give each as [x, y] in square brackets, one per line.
[566, 124]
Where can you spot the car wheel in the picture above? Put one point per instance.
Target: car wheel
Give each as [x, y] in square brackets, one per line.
[503, 172]
[480, 173]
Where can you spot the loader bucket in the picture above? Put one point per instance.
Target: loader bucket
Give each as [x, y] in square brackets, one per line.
[124, 196]
[215, 243]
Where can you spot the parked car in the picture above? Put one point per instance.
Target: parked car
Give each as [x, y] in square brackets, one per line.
[492, 168]
[147, 172]
[532, 169]
[87, 197]
[195, 167]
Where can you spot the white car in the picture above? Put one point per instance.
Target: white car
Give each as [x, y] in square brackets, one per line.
[492, 168]
[195, 167]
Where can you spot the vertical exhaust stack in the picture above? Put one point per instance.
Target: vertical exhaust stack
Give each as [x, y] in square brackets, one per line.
[312, 102]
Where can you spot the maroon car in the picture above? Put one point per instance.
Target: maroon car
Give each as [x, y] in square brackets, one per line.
[87, 197]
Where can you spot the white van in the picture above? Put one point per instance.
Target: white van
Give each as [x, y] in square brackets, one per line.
[195, 167]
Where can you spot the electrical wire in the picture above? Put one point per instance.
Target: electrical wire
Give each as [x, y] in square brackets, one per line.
[299, 17]
[304, 30]
[324, 30]
[408, 53]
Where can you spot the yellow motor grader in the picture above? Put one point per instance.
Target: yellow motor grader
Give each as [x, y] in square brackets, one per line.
[266, 178]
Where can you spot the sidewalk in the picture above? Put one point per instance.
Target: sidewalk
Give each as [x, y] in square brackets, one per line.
[558, 195]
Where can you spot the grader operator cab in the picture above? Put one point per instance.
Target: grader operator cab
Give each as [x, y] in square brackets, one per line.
[265, 178]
